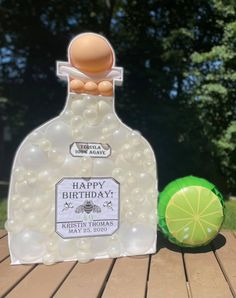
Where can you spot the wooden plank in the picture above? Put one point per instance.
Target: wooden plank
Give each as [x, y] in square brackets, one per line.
[167, 276]
[85, 280]
[3, 233]
[4, 252]
[226, 256]
[42, 281]
[11, 275]
[204, 274]
[128, 278]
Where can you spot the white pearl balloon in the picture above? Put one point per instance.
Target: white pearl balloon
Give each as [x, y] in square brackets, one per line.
[91, 101]
[78, 106]
[130, 178]
[150, 167]
[143, 218]
[104, 108]
[137, 195]
[33, 218]
[137, 238]
[91, 116]
[31, 188]
[34, 136]
[148, 154]
[51, 245]
[83, 257]
[137, 161]
[71, 166]
[23, 189]
[78, 134]
[110, 120]
[41, 202]
[44, 144]
[33, 158]
[28, 245]
[91, 133]
[26, 204]
[146, 206]
[14, 226]
[130, 216]
[119, 136]
[152, 218]
[49, 259]
[110, 124]
[127, 152]
[31, 178]
[125, 205]
[13, 203]
[56, 157]
[77, 122]
[99, 245]
[102, 167]
[86, 162]
[58, 133]
[134, 137]
[106, 133]
[48, 178]
[146, 180]
[122, 163]
[45, 201]
[118, 174]
[66, 116]
[114, 237]
[47, 227]
[19, 173]
[18, 215]
[114, 250]
[84, 244]
[67, 248]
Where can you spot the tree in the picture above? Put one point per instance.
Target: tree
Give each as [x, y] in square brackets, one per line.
[214, 91]
[164, 47]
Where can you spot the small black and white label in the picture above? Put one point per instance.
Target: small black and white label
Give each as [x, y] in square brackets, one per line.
[82, 149]
[87, 207]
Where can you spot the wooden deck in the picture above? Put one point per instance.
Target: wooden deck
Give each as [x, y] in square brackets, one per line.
[208, 272]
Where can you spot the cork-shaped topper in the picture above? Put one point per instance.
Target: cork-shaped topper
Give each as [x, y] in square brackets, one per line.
[91, 67]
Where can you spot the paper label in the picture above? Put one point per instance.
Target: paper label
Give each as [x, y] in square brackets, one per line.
[87, 207]
[81, 149]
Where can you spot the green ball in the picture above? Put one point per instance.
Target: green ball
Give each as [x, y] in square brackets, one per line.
[191, 211]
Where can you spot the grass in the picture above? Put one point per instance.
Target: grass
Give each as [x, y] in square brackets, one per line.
[230, 215]
[229, 222]
[3, 212]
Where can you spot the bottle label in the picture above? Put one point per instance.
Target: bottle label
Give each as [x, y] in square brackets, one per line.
[83, 149]
[87, 207]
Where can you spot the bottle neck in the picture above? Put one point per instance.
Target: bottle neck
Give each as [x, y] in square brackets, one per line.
[91, 118]
[82, 104]
[92, 110]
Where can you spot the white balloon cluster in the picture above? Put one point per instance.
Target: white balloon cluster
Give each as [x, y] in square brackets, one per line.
[43, 159]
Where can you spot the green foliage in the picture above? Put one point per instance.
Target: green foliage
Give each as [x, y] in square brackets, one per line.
[225, 148]
[214, 93]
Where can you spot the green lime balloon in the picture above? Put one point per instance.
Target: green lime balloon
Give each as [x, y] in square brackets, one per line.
[191, 211]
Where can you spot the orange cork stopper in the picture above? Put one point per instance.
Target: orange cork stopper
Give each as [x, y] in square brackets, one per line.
[91, 53]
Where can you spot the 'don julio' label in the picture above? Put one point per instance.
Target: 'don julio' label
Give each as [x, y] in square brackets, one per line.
[87, 207]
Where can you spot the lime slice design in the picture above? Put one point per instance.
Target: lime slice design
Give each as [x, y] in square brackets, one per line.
[194, 215]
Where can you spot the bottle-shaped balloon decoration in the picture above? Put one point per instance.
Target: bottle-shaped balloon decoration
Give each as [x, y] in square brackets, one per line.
[83, 185]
